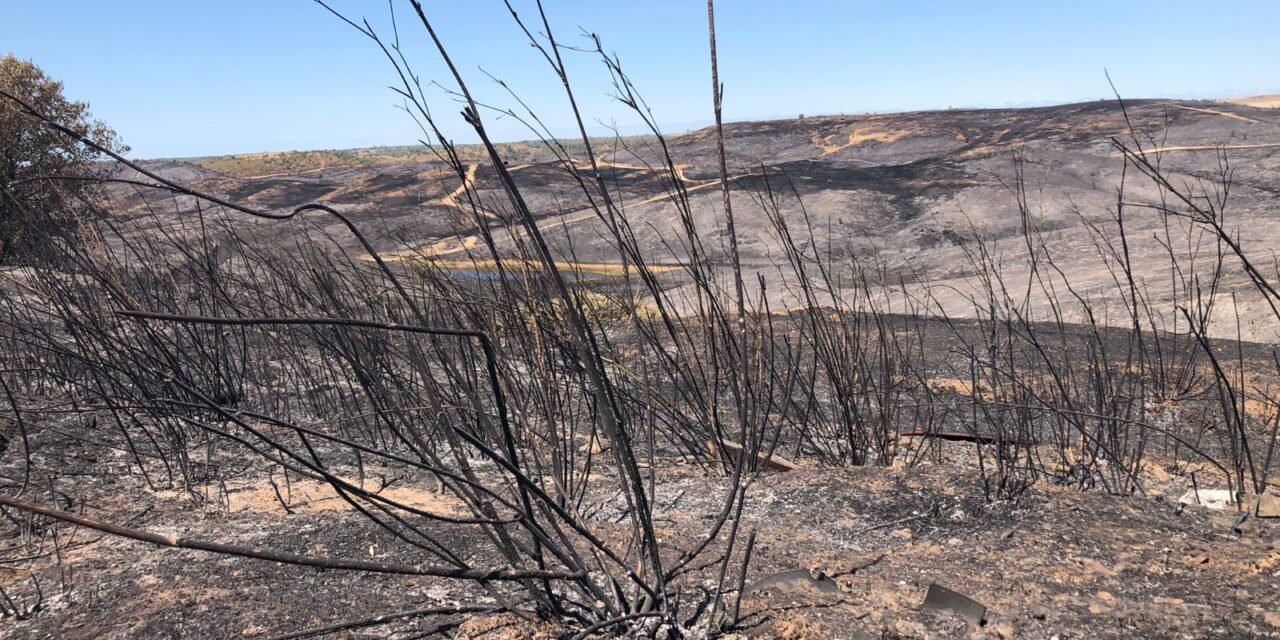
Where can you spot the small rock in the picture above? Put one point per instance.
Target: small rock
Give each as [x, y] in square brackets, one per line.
[902, 534]
[1040, 612]
[1272, 618]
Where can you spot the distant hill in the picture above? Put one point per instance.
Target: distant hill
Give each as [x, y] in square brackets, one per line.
[280, 163]
[1271, 101]
[903, 189]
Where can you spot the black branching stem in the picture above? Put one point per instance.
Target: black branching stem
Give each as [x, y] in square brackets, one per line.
[717, 95]
[278, 556]
[586, 345]
[491, 412]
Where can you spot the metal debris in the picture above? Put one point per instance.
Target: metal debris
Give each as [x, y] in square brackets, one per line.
[941, 598]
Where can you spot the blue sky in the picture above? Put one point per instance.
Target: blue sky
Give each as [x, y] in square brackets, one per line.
[185, 78]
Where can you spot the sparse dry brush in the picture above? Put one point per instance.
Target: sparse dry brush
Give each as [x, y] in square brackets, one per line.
[534, 399]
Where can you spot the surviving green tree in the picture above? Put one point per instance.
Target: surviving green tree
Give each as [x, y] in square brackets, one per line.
[48, 181]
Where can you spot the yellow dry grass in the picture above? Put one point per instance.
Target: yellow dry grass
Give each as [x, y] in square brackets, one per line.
[859, 135]
[1271, 101]
[518, 265]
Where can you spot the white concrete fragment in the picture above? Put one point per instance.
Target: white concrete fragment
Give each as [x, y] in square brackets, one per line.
[1217, 499]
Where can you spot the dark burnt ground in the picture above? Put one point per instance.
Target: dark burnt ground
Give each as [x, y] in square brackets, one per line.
[1054, 562]
[122, 589]
[909, 186]
[284, 193]
[551, 190]
[906, 185]
[923, 154]
[97, 586]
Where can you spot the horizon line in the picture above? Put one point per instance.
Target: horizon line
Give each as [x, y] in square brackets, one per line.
[688, 127]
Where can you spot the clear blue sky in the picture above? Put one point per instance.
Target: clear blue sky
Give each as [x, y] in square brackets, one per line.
[187, 77]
